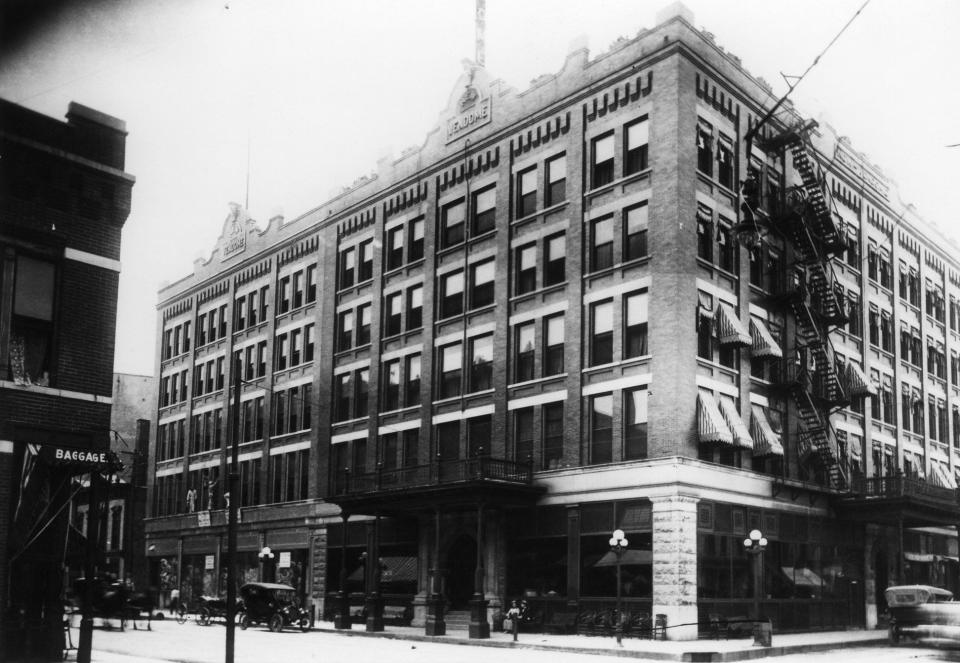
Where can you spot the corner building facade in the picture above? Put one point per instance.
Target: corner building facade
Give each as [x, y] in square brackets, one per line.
[562, 316]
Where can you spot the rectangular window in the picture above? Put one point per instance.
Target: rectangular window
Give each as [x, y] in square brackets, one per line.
[635, 424]
[296, 347]
[391, 385]
[526, 265]
[389, 450]
[636, 137]
[395, 237]
[365, 261]
[705, 148]
[362, 394]
[705, 327]
[635, 325]
[31, 331]
[725, 162]
[364, 314]
[298, 289]
[306, 411]
[553, 333]
[478, 436]
[727, 247]
[411, 444]
[415, 307]
[602, 155]
[283, 295]
[239, 317]
[411, 387]
[416, 240]
[525, 334]
[341, 397]
[451, 366]
[219, 373]
[601, 429]
[392, 314]
[523, 435]
[556, 180]
[635, 232]
[201, 329]
[451, 294]
[556, 258]
[451, 225]
[484, 211]
[481, 363]
[253, 308]
[527, 192]
[345, 330]
[308, 343]
[311, 285]
[348, 266]
[282, 346]
[705, 233]
[552, 435]
[481, 283]
[601, 243]
[601, 327]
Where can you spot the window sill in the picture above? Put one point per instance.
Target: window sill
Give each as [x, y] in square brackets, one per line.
[603, 188]
[341, 291]
[285, 437]
[387, 273]
[349, 422]
[448, 400]
[529, 383]
[542, 291]
[400, 410]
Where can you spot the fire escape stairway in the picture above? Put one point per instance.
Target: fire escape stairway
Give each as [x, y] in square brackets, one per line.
[818, 214]
[825, 381]
[819, 438]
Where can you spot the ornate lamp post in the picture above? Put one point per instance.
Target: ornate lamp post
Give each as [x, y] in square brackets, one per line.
[266, 559]
[618, 545]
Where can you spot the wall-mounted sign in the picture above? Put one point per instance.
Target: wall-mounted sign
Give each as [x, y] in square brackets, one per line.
[83, 459]
[233, 239]
[208, 563]
[284, 560]
[472, 116]
[203, 519]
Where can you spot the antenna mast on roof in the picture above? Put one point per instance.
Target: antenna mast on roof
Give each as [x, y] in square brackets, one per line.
[481, 22]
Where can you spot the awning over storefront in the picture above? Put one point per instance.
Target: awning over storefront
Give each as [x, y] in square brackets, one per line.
[630, 558]
[392, 569]
[741, 436]
[942, 472]
[764, 345]
[857, 382]
[710, 424]
[730, 330]
[765, 441]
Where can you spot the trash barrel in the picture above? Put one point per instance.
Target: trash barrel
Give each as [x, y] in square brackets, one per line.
[762, 633]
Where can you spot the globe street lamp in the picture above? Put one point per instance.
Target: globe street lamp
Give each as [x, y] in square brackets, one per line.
[754, 545]
[618, 545]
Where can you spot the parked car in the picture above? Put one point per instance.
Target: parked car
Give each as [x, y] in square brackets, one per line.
[272, 604]
[918, 611]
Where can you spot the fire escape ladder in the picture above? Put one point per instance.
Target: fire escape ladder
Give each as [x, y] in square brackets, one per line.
[823, 378]
[820, 440]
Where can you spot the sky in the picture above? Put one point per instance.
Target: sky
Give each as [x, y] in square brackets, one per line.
[277, 104]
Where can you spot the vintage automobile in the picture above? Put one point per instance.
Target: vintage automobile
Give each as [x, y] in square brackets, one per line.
[922, 611]
[272, 604]
[110, 599]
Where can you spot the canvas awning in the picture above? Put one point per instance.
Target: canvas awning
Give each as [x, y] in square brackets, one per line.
[765, 441]
[730, 330]
[764, 345]
[392, 569]
[741, 436]
[943, 474]
[711, 426]
[629, 558]
[857, 382]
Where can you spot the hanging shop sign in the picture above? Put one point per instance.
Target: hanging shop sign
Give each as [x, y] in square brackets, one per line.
[82, 459]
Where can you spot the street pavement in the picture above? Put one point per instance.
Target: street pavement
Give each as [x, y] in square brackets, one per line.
[191, 643]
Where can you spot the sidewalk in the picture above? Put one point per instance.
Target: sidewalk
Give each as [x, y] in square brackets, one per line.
[740, 649]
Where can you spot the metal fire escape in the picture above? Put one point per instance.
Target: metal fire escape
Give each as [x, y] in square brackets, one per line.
[812, 374]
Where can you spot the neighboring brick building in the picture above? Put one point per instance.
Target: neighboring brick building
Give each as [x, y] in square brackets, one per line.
[64, 197]
[559, 316]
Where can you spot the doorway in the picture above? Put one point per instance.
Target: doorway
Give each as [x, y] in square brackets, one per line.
[461, 566]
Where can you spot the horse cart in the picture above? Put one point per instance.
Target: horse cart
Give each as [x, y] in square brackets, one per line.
[113, 600]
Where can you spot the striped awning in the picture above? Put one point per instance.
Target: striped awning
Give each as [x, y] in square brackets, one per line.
[943, 474]
[741, 436]
[710, 424]
[857, 382]
[764, 344]
[765, 441]
[730, 330]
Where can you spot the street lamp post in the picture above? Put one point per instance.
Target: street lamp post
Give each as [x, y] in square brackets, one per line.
[618, 545]
[754, 545]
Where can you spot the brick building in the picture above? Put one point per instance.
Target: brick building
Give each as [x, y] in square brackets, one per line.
[65, 197]
[619, 299]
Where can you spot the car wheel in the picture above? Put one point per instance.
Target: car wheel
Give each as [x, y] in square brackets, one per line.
[203, 617]
[244, 620]
[304, 624]
[894, 635]
[181, 614]
[276, 623]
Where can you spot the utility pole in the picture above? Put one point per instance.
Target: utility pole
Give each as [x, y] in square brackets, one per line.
[233, 478]
[85, 643]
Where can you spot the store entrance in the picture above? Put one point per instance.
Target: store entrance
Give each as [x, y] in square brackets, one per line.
[461, 565]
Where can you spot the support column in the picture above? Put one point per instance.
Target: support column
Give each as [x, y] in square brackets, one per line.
[435, 624]
[374, 602]
[342, 618]
[479, 626]
[675, 564]
[871, 540]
